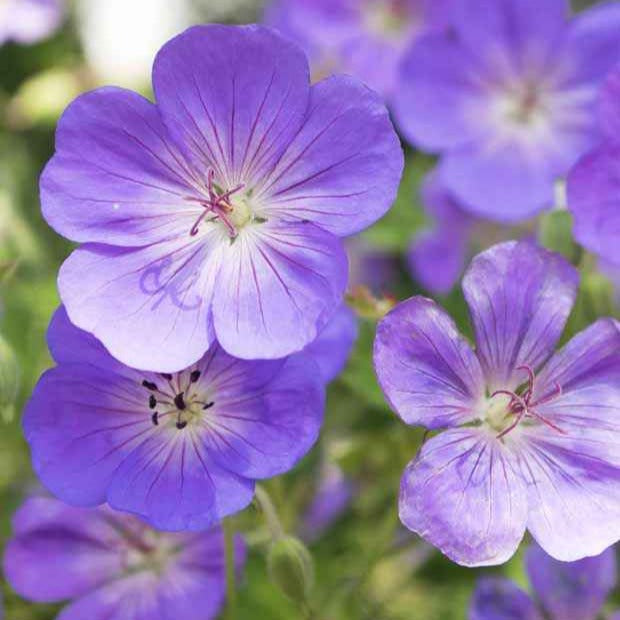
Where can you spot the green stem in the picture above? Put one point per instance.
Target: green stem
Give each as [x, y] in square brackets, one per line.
[271, 515]
[231, 587]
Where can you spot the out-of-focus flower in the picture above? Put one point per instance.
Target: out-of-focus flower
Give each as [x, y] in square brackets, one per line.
[371, 267]
[533, 437]
[114, 566]
[219, 212]
[180, 450]
[29, 21]
[564, 590]
[332, 497]
[594, 183]
[508, 97]
[365, 38]
[120, 37]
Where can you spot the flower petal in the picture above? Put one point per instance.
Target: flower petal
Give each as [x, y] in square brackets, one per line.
[496, 598]
[573, 494]
[332, 346]
[463, 494]
[277, 288]
[342, 169]
[610, 106]
[233, 97]
[149, 306]
[51, 537]
[261, 428]
[116, 177]
[173, 484]
[571, 590]
[519, 296]
[594, 201]
[426, 369]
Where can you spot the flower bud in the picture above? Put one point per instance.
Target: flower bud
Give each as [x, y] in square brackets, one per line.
[9, 380]
[291, 567]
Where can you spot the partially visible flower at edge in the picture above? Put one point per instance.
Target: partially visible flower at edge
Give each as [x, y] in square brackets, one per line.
[113, 565]
[562, 590]
[29, 21]
[532, 438]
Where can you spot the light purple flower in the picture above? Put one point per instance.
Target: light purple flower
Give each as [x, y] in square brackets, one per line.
[507, 97]
[182, 450]
[217, 212]
[331, 499]
[532, 439]
[594, 183]
[365, 38]
[562, 590]
[114, 566]
[29, 21]
[372, 267]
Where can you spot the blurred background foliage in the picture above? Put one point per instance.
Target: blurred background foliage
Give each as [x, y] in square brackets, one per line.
[367, 566]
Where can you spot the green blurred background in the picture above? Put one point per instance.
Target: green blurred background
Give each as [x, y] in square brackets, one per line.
[367, 567]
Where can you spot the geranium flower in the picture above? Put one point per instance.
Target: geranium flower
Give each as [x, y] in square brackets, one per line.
[29, 21]
[532, 438]
[594, 183]
[181, 450]
[364, 38]
[562, 590]
[112, 565]
[217, 212]
[507, 97]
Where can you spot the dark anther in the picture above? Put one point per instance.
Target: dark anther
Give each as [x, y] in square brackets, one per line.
[166, 376]
[179, 401]
[209, 405]
[194, 376]
[152, 402]
[181, 424]
[149, 385]
[154, 418]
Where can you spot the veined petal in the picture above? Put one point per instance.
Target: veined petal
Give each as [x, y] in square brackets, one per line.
[50, 537]
[426, 369]
[232, 97]
[158, 298]
[277, 288]
[171, 482]
[116, 177]
[263, 431]
[463, 494]
[519, 296]
[497, 598]
[342, 169]
[573, 494]
[571, 590]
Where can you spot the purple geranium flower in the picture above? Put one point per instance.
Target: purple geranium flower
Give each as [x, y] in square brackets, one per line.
[114, 566]
[532, 439]
[217, 212]
[564, 590]
[365, 38]
[180, 450]
[594, 183]
[508, 98]
[29, 21]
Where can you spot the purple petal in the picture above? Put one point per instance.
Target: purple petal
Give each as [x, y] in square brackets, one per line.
[149, 306]
[276, 289]
[594, 200]
[426, 369]
[507, 182]
[262, 426]
[573, 493]
[610, 106]
[343, 167]
[333, 345]
[519, 296]
[463, 494]
[232, 97]
[53, 539]
[116, 178]
[496, 598]
[571, 590]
